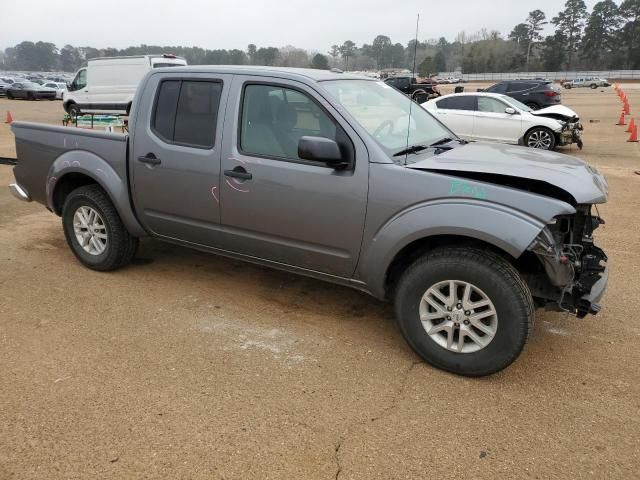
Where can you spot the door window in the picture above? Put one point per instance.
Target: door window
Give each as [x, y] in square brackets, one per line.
[490, 105]
[521, 87]
[186, 112]
[462, 102]
[274, 119]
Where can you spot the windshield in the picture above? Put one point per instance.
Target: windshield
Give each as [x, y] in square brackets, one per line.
[516, 103]
[384, 113]
[30, 85]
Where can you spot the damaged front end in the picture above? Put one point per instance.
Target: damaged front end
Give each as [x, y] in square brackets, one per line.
[575, 268]
[571, 131]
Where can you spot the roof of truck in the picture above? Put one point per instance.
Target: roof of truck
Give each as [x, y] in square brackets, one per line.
[282, 72]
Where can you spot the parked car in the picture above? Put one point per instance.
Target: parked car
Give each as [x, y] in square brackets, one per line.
[30, 91]
[3, 88]
[420, 91]
[498, 118]
[59, 87]
[108, 84]
[535, 94]
[590, 82]
[326, 175]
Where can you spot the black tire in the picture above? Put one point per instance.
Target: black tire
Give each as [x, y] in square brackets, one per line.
[542, 132]
[74, 110]
[121, 245]
[567, 86]
[533, 105]
[9, 96]
[490, 273]
[31, 96]
[593, 86]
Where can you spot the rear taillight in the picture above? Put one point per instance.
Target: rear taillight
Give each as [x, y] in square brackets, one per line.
[550, 93]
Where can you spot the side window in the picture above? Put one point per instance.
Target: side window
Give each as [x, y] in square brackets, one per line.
[81, 80]
[403, 83]
[186, 112]
[498, 88]
[462, 102]
[275, 118]
[490, 105]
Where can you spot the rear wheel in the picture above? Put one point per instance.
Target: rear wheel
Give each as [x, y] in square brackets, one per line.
[541, 138]
[532, 105]
[94, 230]
[31, 96]
[464, 310]
[594, 86]
[9, 96]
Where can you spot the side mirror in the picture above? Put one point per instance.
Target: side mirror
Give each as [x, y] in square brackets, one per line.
[510, 111]
[321, 149]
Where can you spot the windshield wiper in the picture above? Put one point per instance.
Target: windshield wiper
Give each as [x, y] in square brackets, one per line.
[411, 149]
[441, 141]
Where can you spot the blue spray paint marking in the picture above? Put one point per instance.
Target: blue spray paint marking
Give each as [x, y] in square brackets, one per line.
[462, 187]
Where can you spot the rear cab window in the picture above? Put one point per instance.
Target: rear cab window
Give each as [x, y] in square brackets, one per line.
[186, 112]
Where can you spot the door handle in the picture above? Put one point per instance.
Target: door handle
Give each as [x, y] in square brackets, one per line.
[238, 172]
[150, 159]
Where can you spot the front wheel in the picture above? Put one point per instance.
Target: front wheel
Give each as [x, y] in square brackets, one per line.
[94, 231]
[464, 310]
[593, 86]
[541, 138]
[74, 110]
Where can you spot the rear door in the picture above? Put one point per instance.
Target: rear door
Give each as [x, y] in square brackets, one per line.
[175, 155]
[493, 124]
[276, 206]
[457, 113]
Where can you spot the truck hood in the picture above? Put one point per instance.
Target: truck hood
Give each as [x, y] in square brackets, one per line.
[557, 112]
[583, 182]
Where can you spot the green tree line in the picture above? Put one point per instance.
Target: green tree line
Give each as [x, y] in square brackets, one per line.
[608, 37]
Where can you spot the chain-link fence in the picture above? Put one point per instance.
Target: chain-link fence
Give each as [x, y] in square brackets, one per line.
[565, 75]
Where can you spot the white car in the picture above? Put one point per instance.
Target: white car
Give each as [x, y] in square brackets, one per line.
[59, 87]
[493, 117]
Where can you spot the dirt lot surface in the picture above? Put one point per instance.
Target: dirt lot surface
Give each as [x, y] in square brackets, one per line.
[186, 365]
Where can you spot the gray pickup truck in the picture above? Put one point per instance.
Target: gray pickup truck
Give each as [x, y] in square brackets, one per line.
[341, 178]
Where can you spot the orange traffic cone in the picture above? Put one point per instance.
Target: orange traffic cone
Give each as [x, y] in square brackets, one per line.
[9, 118]
[626, 108]
[631, 126]
[622, 119]
[634, 134]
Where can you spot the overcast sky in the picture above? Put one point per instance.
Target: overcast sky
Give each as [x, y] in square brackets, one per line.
[314, 25]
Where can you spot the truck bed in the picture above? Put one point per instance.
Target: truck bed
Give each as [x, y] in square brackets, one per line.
[43, 150]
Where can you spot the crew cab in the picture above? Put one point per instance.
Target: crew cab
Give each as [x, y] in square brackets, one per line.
[340, 178]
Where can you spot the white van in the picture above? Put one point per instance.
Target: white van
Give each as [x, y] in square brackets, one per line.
[108, 84]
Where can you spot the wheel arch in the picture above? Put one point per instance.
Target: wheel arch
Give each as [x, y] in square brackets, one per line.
[495, 227]
[77, 168]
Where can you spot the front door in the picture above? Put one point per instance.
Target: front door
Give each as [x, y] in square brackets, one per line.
[276, 206]
[175, 156]
[493, 124]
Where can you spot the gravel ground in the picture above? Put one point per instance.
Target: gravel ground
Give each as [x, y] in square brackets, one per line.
[185, 365]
